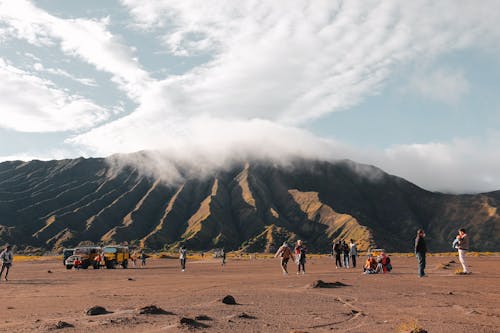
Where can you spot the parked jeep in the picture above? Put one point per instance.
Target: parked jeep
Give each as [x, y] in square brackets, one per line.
[86, 256]
[115, 255]
[66, 254]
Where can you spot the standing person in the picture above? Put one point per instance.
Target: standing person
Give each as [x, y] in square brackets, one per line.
[420, 251]
[133, 257]
[7, 257]
[353, 252]
[337, 253]
[300, 257]
[463, 247]
[143, 257]
[345, 250]
[183, 257]
[223, 257]
[285, 253]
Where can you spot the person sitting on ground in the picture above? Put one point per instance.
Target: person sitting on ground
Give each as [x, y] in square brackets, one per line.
[385, 262]
[370, 266]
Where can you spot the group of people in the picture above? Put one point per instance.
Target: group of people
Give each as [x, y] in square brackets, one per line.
[343, 252]
[139, 255]
[461, 243]
[183, 252]
[379, 264]
[298, 255]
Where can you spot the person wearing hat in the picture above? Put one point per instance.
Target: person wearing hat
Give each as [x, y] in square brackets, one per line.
[6, 257]
[285, 253]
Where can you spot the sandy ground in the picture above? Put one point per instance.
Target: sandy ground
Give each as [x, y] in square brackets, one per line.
[34, 300]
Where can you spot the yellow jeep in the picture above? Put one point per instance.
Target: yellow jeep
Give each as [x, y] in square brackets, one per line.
[115, 255]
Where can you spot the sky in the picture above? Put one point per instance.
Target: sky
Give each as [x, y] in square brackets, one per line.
[410, 87]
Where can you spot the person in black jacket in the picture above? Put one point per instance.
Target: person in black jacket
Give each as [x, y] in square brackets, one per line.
[420, 251]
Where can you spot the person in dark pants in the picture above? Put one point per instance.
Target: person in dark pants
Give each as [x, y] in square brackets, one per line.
[345, 250]
[182, 257]
[420, 251]
[353, 251]
[337, 252]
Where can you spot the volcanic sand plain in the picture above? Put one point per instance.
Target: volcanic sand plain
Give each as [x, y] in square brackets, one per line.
[39, 294]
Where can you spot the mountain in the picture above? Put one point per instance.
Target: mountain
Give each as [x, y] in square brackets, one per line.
[252, 206]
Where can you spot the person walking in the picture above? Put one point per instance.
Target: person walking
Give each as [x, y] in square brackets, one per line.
[285, 253]
[6, 257]
[337, 252]
[183, 257]
[300, 257]
[463, 247]
[420, 251]
[345, 250]
[353, 252]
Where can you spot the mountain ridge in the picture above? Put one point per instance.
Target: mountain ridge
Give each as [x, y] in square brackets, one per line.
[252, 206]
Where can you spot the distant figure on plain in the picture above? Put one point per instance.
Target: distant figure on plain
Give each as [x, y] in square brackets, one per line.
[337, 252]
[285, 253]
[7, 257]
[353, 252]
[300, 257]
[463, 247]
[420, 251]
[345, 251]
[133, 258]
[143, 257]
[183, 257]
[223, 256]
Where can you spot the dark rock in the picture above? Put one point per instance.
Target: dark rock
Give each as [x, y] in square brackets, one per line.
[130, 279]
[49, 271]
[191, 323]
[153, 310]
[60, 325]
[96, 310]
[202, 318]
[322, 284]
[246, 316]
[229, 300]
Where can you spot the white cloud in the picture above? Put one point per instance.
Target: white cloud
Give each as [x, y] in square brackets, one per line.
[86, 39]
[58, 71]
[31, 104]
[274, 65]
[459, 166]
[442, 85]
[292, 61]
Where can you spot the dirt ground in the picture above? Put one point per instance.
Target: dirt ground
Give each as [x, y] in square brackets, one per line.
[39, 294]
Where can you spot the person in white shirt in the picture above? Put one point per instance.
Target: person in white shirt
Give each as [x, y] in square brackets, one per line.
[353, 251]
